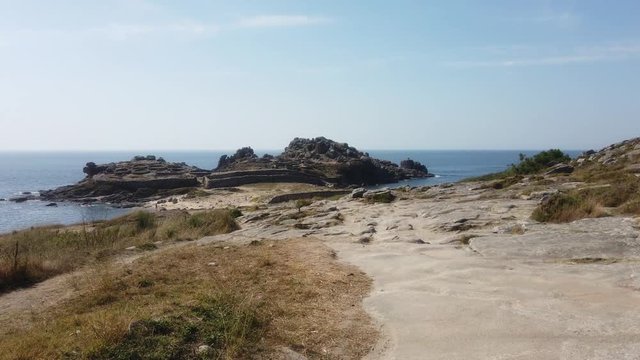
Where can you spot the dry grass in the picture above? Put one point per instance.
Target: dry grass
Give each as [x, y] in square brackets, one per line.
[30, 256]
[562, 208]
[255, 298]
[608, 187]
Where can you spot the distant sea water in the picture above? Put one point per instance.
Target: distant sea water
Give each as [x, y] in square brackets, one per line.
[22, 172]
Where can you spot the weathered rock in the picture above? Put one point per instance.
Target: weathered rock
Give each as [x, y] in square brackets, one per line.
[336, 163]
[307, 195]
[23, 198]
[358, 193]
[52, 204]
[625, 152]
[242, 155]
[128, 181]
[204, 349]
[381, 195]
[560, 169]
[413, 165]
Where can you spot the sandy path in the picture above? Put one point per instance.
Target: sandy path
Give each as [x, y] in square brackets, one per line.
[518, 297]
[446, 303]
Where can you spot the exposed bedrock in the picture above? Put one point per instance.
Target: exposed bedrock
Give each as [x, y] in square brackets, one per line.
[333, 162]
[318, 161]
[137, 180]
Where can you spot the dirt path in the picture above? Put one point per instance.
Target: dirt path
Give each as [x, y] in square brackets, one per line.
[18, 308]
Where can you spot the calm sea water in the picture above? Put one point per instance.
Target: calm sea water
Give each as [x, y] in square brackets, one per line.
[33, 171]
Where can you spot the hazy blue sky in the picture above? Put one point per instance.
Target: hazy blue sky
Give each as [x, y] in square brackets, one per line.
[477, 74]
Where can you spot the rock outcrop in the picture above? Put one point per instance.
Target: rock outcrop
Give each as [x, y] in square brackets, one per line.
[625, 154]
[318, 161]
[332, 162]
[140, 179]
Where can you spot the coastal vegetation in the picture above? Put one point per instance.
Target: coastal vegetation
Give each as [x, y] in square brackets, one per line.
[606, 192]
[213, 301]
[30, 256]
[527, 165]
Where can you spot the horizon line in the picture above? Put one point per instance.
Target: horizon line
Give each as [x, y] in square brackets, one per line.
[147, 151]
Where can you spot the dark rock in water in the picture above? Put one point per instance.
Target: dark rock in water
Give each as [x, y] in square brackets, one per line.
[52, 204]
[413, 165]
[21, 199]
[3, 199]
[26, 193]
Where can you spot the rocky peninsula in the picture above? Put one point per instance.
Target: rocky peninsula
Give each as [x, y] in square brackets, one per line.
[537, 262]
[317, 161]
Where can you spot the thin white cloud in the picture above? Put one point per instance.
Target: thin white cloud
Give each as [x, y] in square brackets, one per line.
[580, 55]
[127, 31]
[266, 21]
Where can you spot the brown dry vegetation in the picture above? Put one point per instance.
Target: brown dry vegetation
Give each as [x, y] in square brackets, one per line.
[30, 256]
[607, 187]
[243, 301]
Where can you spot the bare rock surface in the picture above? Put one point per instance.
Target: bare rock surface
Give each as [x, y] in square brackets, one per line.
[530, 291]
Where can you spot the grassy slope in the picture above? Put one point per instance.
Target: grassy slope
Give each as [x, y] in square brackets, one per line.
[30, 256]
[169, 303]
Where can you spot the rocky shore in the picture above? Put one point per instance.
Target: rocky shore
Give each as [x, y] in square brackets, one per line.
[128, 182]
[459, 271]
[318, 161]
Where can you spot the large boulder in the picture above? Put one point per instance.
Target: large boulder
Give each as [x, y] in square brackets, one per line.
[560, 169]
[242, 155]
[413, 165]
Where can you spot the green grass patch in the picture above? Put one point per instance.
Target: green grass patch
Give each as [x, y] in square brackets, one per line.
[226, 324]
[30, 256]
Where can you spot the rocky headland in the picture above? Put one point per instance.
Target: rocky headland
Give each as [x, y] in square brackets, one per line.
[127, 182]
[329, 161]
[318, 161]
[538, 262]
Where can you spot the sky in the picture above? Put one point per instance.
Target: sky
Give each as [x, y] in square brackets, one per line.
[196, 74]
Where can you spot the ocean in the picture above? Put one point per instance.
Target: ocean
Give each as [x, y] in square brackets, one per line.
[22, 172]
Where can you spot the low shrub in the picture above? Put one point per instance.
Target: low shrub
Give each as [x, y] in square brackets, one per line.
[300, 203]
[567, 207]
[382, 197]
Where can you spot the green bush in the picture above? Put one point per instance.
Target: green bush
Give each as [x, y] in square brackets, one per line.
[540, 161]
[526, 166]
